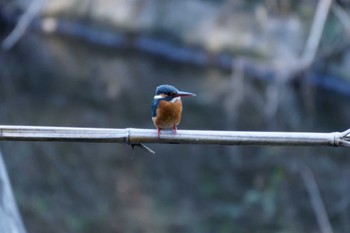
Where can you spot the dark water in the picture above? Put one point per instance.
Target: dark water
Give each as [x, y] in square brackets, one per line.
[81, 187]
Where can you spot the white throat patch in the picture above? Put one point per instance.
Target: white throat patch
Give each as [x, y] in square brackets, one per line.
[175, 99]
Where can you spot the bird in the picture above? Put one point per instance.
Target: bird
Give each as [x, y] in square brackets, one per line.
[167, 107]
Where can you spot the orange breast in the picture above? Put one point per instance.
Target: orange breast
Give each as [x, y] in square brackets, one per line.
[168, 114]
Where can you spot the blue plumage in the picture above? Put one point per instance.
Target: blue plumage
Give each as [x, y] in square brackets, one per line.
[155, 104]
[166, 89]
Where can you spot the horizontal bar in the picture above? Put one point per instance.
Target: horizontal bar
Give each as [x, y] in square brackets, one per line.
[138, 136]
[231, 137]
[47, 133]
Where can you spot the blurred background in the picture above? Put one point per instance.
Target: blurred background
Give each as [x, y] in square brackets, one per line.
[254, 65]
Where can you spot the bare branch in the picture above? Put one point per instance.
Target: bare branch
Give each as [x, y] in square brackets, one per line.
[315, 35]
[23, 23]
[343, 17]
[10, 219]
[316, 200]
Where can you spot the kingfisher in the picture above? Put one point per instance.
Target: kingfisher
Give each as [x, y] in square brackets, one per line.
[167, 107]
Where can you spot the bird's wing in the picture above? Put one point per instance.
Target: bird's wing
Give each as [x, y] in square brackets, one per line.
[154, 107]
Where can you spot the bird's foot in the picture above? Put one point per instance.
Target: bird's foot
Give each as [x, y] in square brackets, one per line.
[158, 132]
[174, 129]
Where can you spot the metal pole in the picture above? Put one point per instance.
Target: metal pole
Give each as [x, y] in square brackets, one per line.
[138, 136]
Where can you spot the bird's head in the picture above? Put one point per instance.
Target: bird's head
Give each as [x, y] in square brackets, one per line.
[169, 92]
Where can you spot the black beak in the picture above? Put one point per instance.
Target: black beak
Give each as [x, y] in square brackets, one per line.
[184, 93]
